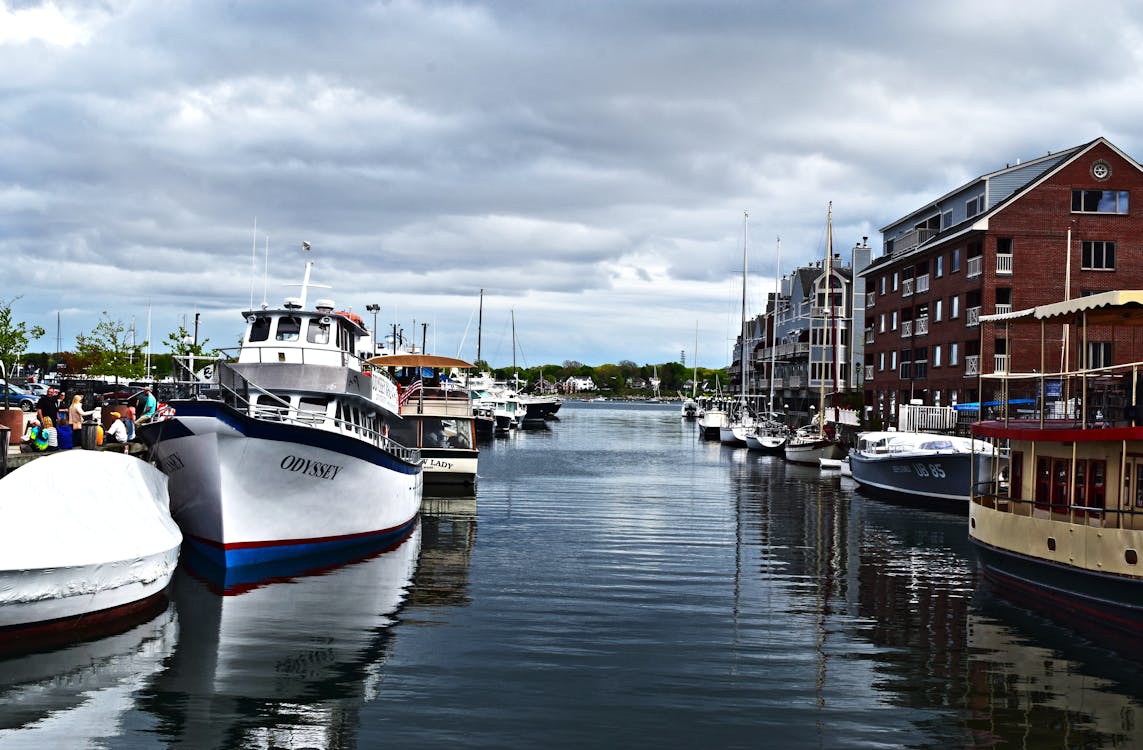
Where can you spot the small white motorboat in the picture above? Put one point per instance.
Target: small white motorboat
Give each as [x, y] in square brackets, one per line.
[82, 534]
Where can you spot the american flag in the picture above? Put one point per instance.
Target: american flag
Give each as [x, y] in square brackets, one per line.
[410, 391]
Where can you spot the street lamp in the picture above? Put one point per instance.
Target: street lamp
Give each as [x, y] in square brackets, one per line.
[374, 309]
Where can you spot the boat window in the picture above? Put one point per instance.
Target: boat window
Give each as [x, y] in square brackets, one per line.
[1043, 482]
[459, 432]
[260, 329]
[1016, 475]
[312, 409]
[289, 326]
[404, 432]
[318, 332]
[433, 433]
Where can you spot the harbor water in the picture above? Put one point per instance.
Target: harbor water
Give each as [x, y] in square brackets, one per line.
[615, 582]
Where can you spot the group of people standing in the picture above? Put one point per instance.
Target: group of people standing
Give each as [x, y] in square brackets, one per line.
[50, 409]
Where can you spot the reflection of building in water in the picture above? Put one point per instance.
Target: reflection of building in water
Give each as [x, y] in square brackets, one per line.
[904, 581]
[285, 659]
[79, 694]
[448, 528]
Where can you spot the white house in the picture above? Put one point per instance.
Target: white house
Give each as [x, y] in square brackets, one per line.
[578, 383]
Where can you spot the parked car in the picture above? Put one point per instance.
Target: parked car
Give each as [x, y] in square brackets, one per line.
[19, 397]
[36, 389]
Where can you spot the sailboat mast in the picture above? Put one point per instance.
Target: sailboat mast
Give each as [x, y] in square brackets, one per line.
[828, 300]
[479, 325]
[694, 378]
[745, 228]
[774, 319]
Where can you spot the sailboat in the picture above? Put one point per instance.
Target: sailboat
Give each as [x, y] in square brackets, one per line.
[818, 440]
[770, 435]
[740, 421]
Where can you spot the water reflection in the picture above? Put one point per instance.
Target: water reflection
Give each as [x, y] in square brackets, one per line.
[284, 660]
[78, 696]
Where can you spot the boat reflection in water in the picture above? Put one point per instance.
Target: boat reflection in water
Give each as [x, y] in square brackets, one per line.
[280, 656]
[78, 695]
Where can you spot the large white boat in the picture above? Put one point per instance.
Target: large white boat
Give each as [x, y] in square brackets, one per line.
[1064, 529]
[436, 416]
[85, 536]
[290, 452]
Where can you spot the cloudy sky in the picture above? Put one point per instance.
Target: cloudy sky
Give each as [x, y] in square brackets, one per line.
[587, 164]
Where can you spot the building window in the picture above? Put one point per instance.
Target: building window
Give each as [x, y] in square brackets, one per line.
[937, 355]
[955, 260]
[1099, 201]
[893, 321]
[1003, 245]
[954, 307]
[881, 362]
[937, 311]
[939, 271]
[953, 358]
[946, 219]
[895, 280]
[883, 285]
[1098, 255]
[1098, 354]
[974, 206]
[881, 323]
[893, 356]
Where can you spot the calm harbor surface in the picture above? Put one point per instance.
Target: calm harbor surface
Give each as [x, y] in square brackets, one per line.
[616, 582]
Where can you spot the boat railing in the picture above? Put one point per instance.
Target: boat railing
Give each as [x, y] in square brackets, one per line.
[1084, 398]
[235, 389]
[991, 495]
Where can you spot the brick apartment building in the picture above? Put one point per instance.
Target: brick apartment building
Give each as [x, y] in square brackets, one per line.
[1053, 228]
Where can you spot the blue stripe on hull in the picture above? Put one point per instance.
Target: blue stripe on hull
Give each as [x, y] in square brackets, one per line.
[237, 557]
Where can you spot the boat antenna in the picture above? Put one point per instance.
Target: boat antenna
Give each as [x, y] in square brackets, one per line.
[265, 271]
[253, 262]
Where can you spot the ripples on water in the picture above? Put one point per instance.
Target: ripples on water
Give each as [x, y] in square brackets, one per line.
[616, 583]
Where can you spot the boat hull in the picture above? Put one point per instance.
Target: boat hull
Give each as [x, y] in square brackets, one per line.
[810, 453]
[919, 477]
[1073, 595]
[247, 492]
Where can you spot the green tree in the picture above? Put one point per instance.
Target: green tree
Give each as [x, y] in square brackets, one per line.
[186, 353]
[108, 350]
[14, 338]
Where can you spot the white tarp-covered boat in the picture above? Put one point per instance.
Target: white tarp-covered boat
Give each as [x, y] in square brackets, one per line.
[82, 532]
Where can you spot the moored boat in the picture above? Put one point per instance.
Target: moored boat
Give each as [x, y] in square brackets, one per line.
[919, 466]
[437, 417]
[1065, 526]
[289, 452]
[85, 536]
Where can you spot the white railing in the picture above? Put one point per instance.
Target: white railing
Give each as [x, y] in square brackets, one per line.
[1003, 309]
[921, 326]
[972, 364]
[922, 283]
[868, 372]
[870, 299]
[1004, 263]
[972, 316]
[906, 329]
[906, 287]
[975, 267]
[869, 335]
[1000, 363]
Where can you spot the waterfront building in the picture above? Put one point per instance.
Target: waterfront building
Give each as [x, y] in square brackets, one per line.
[1052, 228]
[792, 341]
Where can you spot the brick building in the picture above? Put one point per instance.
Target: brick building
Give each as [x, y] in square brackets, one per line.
[1053, 228]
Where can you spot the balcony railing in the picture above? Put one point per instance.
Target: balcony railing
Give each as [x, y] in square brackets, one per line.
[1004, 264]
[868, 373]
[1000, 363]
[922, 283]
[974, 267]
[1002, 309]
[869, 335]
[906, 287]
[972, 316]
[921, 326]
[906, 329]
[972, 365]
[870, 299]
[911, 239]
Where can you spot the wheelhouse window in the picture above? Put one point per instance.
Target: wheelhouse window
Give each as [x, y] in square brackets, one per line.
[260, 328]
[318, 332]
[1099, 201]
[289, 327]
[1098, 255]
